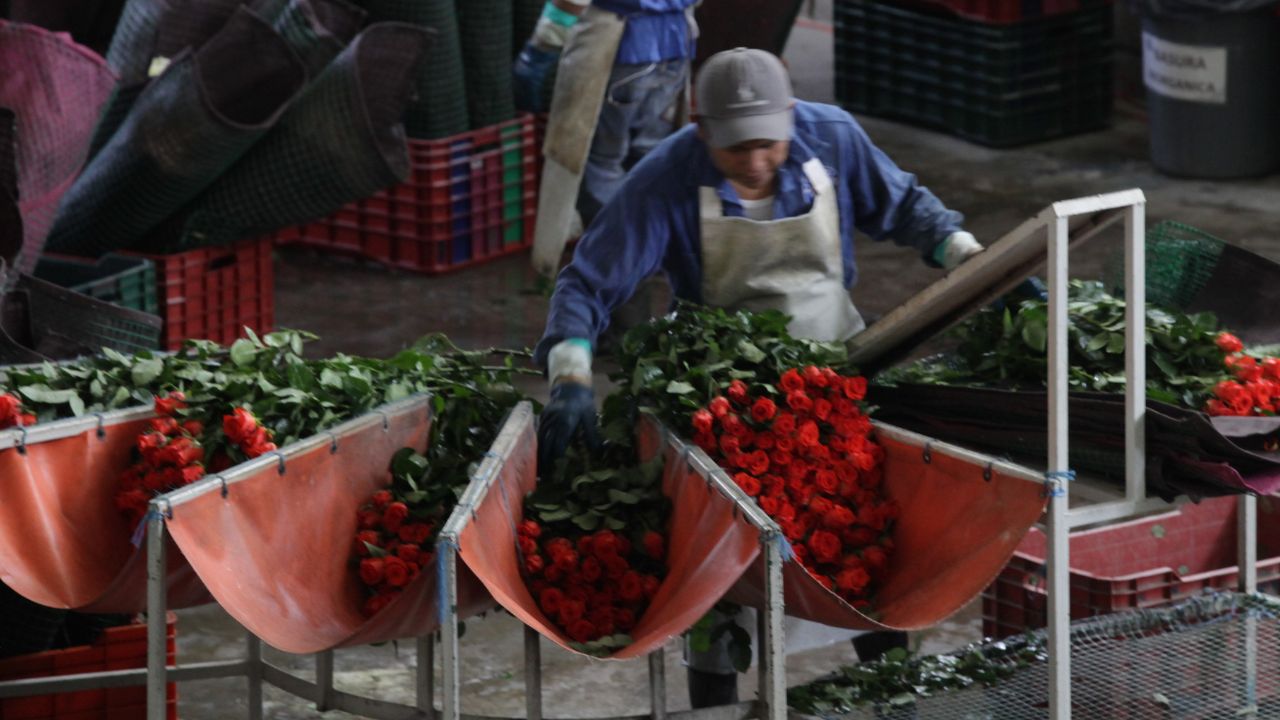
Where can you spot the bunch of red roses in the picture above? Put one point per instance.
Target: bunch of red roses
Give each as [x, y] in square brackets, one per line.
[169, 455]
[1256, 388]
[812, 467]
[390, 549]
[11, 412]
[596, 585]
[244, 431]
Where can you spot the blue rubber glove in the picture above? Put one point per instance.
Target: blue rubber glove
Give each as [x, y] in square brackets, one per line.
[572, 410]
[532, 68]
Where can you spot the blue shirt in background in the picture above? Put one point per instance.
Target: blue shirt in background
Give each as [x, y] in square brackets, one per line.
[656, 30]
[653, 222]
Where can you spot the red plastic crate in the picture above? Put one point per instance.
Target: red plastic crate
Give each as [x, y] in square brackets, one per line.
[118, 648]
[469, 198]
[1002, 12]
[1149, 562]
[213, 293]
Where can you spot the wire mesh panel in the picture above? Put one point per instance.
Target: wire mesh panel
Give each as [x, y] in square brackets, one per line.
[1180, 261]
[1213, 657]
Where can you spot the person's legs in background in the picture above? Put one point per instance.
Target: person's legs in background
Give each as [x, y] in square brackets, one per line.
[638, 113]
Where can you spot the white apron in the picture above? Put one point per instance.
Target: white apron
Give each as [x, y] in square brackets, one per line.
[791, 264]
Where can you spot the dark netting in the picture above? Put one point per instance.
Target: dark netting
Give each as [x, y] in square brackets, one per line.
[1211, 657]
[1193, 271]
[55, 99]
[340, 142]
[10, 216]
[524, 17]
[485, 28]
[1186, 454]
[190, 125]
[318, 30]
[439, 108]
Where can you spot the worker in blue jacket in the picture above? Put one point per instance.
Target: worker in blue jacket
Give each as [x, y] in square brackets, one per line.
[755, 207]
[622, 73]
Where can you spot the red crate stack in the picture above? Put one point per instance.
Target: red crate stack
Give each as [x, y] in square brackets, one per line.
[213, 293]
[118, 648]
[1149, 562]
[469, 198]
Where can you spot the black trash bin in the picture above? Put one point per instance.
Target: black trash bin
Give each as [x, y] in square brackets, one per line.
[1213, 97]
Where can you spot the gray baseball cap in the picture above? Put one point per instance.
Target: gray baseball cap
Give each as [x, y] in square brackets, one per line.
[743, 94]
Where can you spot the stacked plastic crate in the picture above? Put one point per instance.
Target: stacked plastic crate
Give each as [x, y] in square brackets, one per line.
[469, 198]
[995, 72]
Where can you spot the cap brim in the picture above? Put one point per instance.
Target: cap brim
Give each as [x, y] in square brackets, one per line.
[722, 133]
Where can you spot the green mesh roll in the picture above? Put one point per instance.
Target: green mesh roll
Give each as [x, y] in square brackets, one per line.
[485, 27]
[524, 16]
[1180, 260]
[440, 108]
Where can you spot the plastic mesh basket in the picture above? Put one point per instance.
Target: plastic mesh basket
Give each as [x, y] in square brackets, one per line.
[61, 323]
[1180, 260]
[126, 281]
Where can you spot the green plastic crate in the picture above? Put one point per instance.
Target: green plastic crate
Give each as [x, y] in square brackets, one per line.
[125, 281]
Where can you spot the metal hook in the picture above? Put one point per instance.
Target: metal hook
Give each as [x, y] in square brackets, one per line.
[168, 513]
[280, 466]
[986, 472]
[386, 422]
[333, 443]
[224, 485]
[22, 440]
[928, 453]
[102, 431]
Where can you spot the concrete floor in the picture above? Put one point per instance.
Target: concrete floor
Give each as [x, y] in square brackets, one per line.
[358, 308]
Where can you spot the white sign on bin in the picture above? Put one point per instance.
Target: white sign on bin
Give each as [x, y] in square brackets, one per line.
[1184, 72]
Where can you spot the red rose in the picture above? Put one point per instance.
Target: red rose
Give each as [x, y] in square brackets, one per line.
[533, 564]
[571, 610]
[381, 499]
[238, 424]
[165, 425]
[837, 517]
[876, 559]
[530, 528]
[737, 391]
[374, 605]
[821, 409]
[528, 546]
[581, 630]
[808, 435]
[733, 425]
[825, 546]
[654, 544]
[758, 464]
[171, 404]
[631, 588]
[852, 580]
[749, 485]
[150, 441]
[566, 561]
[826, 481]
[651, 585]
[395, 571]
[703, 421]
[191, 474]
[814, 377]
[719, 406]
[769, 504]
[371, 570]
[408, 552]
[624, 618]
[706, 441]
[591, 569]
[791, 381]
[394, 515]
[9, 409]
[730, 445]
[1244, 367]
[844, 408]
[763, 440]
[799, 401]
[604, 544]
[615, 567]
[193, 427]
[257, 443]
[763, 409]
[549, 600]
[1228, 343]
[1271, 368]
[855, 388]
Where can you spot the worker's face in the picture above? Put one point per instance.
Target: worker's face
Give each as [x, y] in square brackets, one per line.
[753, 164]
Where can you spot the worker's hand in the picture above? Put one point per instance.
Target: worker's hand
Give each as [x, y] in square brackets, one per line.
[958, 247]
[532, 68]
[572, 410]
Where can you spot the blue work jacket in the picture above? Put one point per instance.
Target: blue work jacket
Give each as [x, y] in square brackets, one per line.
[652, 224]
